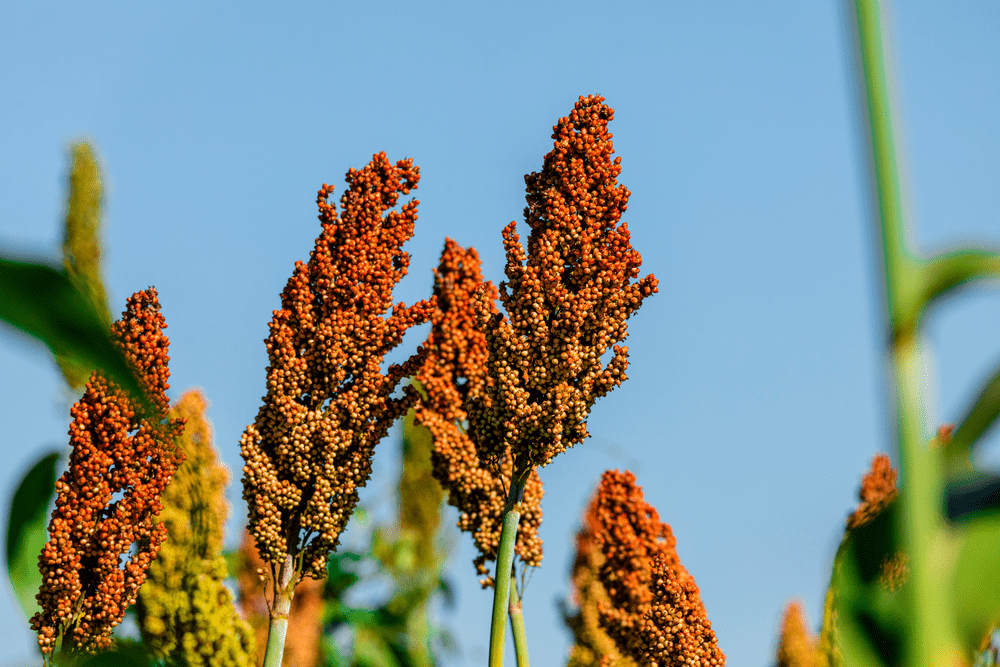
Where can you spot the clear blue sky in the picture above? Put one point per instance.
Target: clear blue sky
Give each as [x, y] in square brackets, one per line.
[756, 391]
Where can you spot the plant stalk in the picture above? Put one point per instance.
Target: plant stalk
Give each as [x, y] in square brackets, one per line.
[505, 561]
[281, 606]
[517, 625]
[931, 639]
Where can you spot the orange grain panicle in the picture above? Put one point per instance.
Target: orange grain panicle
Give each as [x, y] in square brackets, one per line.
[453, 374]
[328, 403]
[567, 299]
[654, 611]
[103, 533]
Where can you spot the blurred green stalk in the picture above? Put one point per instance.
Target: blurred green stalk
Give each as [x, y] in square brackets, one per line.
[931, 638]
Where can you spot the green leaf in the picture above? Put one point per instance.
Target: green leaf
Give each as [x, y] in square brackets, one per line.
[338, 577]
[947, 271]
[48, 304]
[372, 650]
[232, 557]
[977, 579]
[868, 613]
[124, 653]
[978, 419]
[332, 657]
[27, 530]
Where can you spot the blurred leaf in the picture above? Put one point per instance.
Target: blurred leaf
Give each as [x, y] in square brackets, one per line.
[124, 653]
[949, 270]
[867, 609]
[48, 305]
[447, 593]
[338, 577]
[977, 579]
[446, 641]
[979, 418]
[371, 650]
[232, 557]
[27, 530]
[331, 655]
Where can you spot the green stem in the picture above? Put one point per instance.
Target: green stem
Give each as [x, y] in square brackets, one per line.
[930, 635]
[505, 561]
[517, 625]
[281, 606]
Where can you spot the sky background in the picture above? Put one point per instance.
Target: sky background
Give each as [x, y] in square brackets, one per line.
[756, 392]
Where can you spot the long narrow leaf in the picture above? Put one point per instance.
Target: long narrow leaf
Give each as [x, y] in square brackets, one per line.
[47, 304]
[948, 271]
[26, 530]
[979, 418]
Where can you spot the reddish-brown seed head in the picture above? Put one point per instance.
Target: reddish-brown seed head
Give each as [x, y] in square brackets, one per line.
[653, 611]
[567, 298]
[108, 499]
[453, 374]
[878, 489]
[328, 403]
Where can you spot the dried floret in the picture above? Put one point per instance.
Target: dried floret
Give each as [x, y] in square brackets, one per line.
[878, 490]
[675, 629]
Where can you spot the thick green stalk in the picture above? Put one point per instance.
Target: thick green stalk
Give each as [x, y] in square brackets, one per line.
[930, 634]
[281, 605]
[517, 625]
[505, 561]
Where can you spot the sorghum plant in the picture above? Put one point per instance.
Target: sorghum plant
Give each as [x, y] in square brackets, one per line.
[407, 555]
[591, 646]
[185, 612]
[82, 246]
[453, 375]
[567, 302]
[920, 583]
[109, 497]
[645, 601]
[797, 646]
[877, 493]
[328, 403]
[567, 299]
